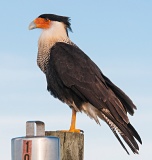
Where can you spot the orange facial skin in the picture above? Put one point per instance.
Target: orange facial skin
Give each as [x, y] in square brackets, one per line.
[42, 23]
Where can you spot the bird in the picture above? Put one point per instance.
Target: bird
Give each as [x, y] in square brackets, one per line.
[76, 80]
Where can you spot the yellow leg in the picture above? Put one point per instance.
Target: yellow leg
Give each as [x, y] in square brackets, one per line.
[73, 124]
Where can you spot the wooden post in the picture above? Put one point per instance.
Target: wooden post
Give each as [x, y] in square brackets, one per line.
[71, 144]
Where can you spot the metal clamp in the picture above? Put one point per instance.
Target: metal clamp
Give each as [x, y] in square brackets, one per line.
[30, 128]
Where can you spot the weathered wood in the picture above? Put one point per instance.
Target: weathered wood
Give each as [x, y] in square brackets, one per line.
[71, 144]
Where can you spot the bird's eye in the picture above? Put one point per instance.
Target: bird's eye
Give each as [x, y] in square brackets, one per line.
[46, 19]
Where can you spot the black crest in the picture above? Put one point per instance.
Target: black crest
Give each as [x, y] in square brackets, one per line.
[53, 17]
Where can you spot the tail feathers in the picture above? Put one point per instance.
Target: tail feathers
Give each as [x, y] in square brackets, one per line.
[126, 133]
[132, 147]
[117, 136]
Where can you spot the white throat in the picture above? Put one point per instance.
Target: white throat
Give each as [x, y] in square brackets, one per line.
[56, 33]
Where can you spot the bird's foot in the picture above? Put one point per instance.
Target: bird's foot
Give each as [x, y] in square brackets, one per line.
[73, 131]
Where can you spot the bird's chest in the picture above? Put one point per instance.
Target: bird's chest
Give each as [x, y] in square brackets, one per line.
[43, 56]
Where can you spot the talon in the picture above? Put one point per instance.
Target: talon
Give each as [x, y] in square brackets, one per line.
[73, 123]
[73, 131]
[81, 131]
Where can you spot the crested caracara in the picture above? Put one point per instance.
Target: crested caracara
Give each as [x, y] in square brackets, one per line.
[76, 80]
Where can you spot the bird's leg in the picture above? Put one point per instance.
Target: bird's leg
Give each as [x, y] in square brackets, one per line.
[73, 123]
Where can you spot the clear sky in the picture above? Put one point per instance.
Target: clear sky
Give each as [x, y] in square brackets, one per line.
[116, 34]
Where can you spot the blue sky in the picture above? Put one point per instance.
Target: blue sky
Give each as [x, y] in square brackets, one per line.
[116, 34]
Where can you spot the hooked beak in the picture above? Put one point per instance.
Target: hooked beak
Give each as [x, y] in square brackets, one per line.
[32, 25]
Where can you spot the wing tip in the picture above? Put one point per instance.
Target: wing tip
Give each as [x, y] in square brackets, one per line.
[134, 132]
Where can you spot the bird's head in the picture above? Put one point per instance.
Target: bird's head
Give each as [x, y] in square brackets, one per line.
[48, 21]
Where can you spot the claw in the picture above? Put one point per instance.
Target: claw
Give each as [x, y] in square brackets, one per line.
[73, 131]
[73, 123]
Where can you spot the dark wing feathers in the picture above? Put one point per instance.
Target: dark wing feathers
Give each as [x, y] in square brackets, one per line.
[77, 69]
[125, 100]
[79, 73]
[134, 132]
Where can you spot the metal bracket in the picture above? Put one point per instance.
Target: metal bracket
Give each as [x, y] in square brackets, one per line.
[30, 128]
